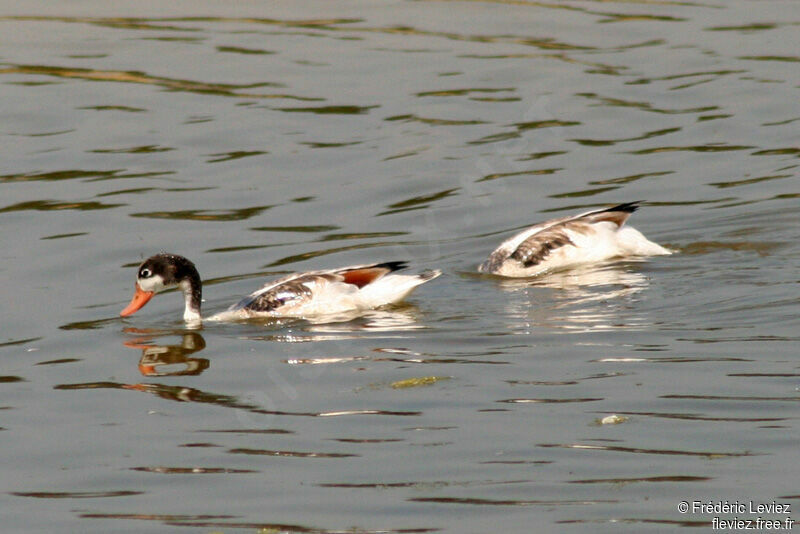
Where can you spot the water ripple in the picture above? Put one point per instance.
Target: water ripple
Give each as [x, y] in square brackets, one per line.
[643, 106]
[330, 110]
[610, 142]
[509, 502]
[137, 77]
[662, 478]
[71, 174]
[204, 215]
[733, 398]
[76, 494]
[700, 417]
[636, 450]
[291, 454]
[191, 470]
[616, 521]
[570, 382]
[55, 205]
[417, 202]
[550, 400]
[185, 394]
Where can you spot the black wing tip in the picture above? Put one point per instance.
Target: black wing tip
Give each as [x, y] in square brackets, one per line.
[429, 274]
[627, 207]
[392, 265]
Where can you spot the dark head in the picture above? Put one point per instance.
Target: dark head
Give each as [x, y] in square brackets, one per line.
[165, 271]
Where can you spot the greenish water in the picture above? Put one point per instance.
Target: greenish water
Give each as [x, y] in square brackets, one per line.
[264, 138]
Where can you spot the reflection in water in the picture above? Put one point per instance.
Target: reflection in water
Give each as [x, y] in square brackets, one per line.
[174, 393]
[166, 360]
[383, 320]
[409, 356]
[341, 326]
[587, 298]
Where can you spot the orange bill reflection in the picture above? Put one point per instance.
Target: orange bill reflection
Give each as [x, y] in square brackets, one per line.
[171, 360]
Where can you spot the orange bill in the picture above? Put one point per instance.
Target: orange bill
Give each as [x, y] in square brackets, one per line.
[147, 369]
[140, 298]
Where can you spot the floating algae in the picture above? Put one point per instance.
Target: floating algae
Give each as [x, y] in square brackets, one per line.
[417, 382]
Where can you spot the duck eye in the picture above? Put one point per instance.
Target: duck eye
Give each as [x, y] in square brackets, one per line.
[145, 273]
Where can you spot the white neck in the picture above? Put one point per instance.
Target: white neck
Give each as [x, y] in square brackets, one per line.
[191, 314]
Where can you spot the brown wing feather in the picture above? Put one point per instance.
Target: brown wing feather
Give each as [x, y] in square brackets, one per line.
[366, 274]
[291, 291]
[362, 277]
[536, 248]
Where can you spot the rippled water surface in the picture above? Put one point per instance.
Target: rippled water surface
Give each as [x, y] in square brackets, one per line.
[259, 138]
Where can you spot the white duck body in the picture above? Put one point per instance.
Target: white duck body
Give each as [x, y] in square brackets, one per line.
[329, 292]
[590, 237]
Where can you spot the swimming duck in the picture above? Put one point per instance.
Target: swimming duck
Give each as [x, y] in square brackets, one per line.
[589, 237]
[313, 293]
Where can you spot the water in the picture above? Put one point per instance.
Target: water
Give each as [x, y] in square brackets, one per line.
[260, 139]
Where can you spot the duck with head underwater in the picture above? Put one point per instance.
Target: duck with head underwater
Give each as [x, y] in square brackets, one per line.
[586, 238]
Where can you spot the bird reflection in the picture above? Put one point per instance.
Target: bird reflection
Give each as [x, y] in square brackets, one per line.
[582, 299]
[388, 322]
[380, 320]
[171, 360]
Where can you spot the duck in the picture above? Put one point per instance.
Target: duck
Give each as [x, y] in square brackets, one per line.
[300, 295]
[591, 237]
